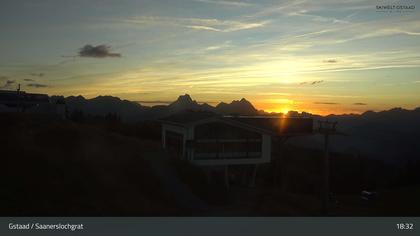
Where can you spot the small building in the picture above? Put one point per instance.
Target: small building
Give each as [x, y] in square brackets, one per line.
[20, 101]
[209, 140]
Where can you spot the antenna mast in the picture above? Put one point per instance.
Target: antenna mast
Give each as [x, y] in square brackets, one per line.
[327, 128]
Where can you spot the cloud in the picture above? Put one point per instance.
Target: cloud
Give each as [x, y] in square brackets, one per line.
[36, 85]
[208, 24]
[317, 82]
[215, 47]
[359, 104]
[155, 102]
[227, 3]
[226, 44]
[37, 74]
[327, 103]
[100, 51]
[8, 83]
[285, 8]
[331, 61]
[378, 33]
[311, 82]
[202, 27]
[228, 26]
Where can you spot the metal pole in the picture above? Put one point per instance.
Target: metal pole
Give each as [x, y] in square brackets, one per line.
[254, 176]
[227, 176]
[326, 128]
[18, 96]
[326, 190]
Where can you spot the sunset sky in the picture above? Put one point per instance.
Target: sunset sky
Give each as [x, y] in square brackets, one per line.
[325, 56]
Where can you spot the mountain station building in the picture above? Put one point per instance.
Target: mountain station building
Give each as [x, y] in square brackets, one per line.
[222, 141]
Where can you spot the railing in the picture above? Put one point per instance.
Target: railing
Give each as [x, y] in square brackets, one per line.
[227, 155]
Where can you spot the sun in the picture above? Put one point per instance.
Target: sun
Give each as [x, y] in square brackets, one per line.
[284, 110]
[278, 105]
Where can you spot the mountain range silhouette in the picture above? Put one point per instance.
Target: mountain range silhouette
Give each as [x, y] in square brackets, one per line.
[132, 111]
[390, 135]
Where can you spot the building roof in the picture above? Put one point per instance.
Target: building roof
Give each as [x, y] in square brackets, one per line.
[7, 95]
[15, 98]
[188, 117]
[277, 125]
[264, 124]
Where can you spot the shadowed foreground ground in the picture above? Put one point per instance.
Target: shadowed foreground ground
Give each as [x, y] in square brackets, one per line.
[51, 167]
[60, 168]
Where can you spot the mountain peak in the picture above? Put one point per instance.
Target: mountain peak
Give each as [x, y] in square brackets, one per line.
[76, 98]
[245, 102]
[243, 107]
[242, 102]
[106, 98]
[186, 98]
[184, 102]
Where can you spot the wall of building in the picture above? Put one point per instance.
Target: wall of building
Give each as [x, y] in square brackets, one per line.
[217, 143]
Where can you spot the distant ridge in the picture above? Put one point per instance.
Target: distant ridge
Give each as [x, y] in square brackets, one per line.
[103, 105]
[184, 102]
[133, 111]
[388, 135]
[240, 107]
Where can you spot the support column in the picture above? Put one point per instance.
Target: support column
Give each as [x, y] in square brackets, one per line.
[184, 146]
[280, 165]
[326, 128]
[163, 136]
[253, 177]
[244, 176]
[207, 170]
[326, 192]
[283, 173]
[227, 176]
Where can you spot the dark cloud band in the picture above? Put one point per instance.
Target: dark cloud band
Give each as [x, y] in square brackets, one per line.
[36, 85]
[100, 51]
[331, 61]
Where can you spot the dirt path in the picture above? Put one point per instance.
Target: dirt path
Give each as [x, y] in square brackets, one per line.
[179, 190]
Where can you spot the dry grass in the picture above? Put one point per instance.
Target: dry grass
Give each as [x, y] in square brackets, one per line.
[60, 168]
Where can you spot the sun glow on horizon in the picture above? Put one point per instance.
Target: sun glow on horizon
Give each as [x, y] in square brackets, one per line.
[283, 110]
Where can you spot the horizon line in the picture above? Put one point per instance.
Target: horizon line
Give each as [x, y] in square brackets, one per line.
[167, 102]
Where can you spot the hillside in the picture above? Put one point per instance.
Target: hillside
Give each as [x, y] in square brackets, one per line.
[390, 135]
[55, 168]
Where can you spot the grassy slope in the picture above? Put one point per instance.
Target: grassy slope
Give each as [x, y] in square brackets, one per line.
[302, 176]
[60, 168]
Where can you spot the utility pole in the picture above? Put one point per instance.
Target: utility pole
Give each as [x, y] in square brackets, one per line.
[326, 128]
[18, 97]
